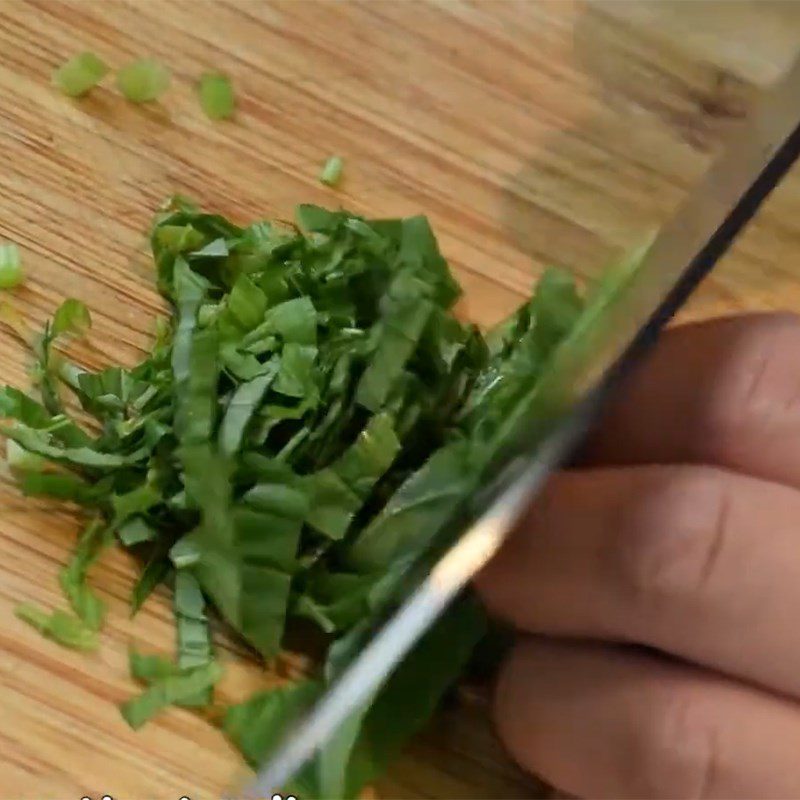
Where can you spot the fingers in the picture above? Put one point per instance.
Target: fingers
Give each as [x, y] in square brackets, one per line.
[599, 721]
[725, 392]
[696, 561]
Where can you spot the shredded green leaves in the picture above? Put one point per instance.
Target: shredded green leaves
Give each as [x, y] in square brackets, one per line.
[72, 316]
[308, 428]
[143, 81]
[80, 74]
[175, 689]
[59, 626]
[88, 607]
[20, 459]
[216, 95]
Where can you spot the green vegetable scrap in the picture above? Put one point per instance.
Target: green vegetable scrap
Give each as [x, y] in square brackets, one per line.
[20, 459]
[80, 74]
[170, 690]
[305, 432]
[10, 266]
[89, 608]
[332, 171]
[59, 626]
[143, 81]
[72, 316]
[216, 95]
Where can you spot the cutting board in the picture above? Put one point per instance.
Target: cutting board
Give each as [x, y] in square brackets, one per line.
[530, 133]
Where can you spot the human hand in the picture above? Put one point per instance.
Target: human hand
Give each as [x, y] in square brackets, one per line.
[657, 587]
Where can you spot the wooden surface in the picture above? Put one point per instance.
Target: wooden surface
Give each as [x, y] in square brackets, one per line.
[530, 133]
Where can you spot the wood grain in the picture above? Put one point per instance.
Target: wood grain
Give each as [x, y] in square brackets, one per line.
[530, 132]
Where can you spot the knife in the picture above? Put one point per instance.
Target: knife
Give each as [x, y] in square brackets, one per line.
[586, 369]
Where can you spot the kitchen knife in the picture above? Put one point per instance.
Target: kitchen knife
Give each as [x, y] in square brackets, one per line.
[586, 368]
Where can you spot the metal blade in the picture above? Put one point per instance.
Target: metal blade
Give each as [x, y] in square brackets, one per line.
[588, 367]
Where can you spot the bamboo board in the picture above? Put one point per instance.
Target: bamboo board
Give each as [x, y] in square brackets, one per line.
[531, 133]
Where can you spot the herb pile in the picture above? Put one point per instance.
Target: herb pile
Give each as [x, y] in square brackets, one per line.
[307, 426]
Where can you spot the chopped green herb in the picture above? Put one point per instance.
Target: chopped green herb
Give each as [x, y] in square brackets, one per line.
[143, 81]
[10, 266]
[170, 690]
[84, 602]
[20, 459]
[72, 316]
[305, 433]
[257, 725]
[136, 531]
[148, 668]
[332, 171]
[194, 637]
[62, 486]
[216, 95]
[154, 572]
[59, 626]
[80, 74]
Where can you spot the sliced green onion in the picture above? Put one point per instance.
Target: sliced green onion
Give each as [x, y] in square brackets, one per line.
[332, 171]
[79, 74]
[143, 81]
[216, 95]
[10, 266]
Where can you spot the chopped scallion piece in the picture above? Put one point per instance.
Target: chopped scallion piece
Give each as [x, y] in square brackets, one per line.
[81, 73]
[332, 171]
[216, 95]
[10, 266]
[143, 81]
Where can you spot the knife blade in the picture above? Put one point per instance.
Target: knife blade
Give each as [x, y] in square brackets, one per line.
[586, 370]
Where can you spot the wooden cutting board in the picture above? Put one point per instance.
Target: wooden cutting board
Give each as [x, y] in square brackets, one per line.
[531, 133]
